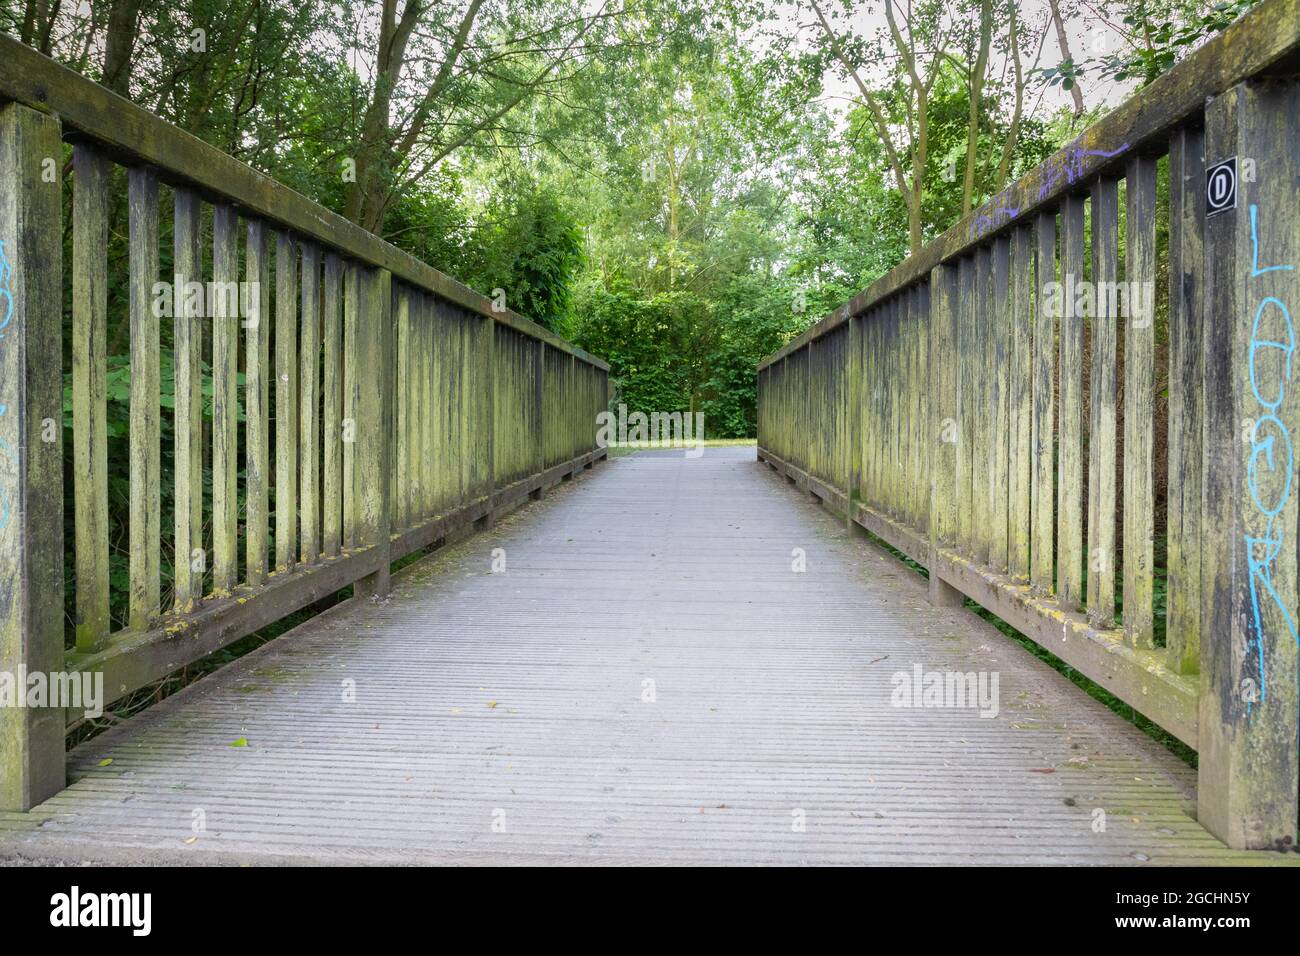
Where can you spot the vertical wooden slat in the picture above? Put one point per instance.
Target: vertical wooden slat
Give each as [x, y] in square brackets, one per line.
[428, 400]
[917, 483]
[999, 319]
[982, 438]
[488, 389]
[1139, 401]
[189, 319]
[966, 391]
[402, 320]
[1069, 489]
[853, 418]
[539, 403]
[351, 397]
[374, 415]
[925, 448]
[1020, 403]
[89, 421]
[31, 459]
[225, 405]
[257, 354]
[1042, 498]
[331, 407]
[146, 430]
[1186, 372]
[415, 449]
[460, 411]
[286, 399]
[1101, 429]
[308, 405]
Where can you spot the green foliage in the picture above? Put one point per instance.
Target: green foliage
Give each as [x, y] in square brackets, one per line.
[529, 246]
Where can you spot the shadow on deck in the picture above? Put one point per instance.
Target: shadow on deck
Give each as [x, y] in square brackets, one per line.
[647, 680]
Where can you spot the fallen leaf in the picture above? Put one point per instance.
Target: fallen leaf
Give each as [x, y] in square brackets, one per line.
[190, 840]
[106, 761]
[241, 742]
[491, 704]
[1042, 770]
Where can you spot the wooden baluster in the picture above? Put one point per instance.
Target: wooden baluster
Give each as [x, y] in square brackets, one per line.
[187, 356]
[1069, 487]
[146, 425]
[1139, 401]
[332, 407]
[225, 404]
[257, 354]
[1101, 429]
[1186, 403]
[286, 400]
[1020, 400]
[1043, 472]
[309, 359]
[89, 370]
[999, 329]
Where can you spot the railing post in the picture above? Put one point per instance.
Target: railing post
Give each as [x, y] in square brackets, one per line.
[1248, 716]
[853, 419]
[943, 430]
[31, 449]
[373, 428]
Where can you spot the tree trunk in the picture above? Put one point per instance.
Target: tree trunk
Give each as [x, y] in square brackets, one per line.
[1064, 44]
[976, 92]
[119, 45]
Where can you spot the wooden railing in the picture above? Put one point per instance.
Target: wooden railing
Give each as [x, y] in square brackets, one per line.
[1000, 431]
[362, 405]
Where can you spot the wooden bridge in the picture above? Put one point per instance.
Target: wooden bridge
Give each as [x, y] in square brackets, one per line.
[674, 657]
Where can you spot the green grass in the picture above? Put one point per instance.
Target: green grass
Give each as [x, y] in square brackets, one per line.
[631, 448]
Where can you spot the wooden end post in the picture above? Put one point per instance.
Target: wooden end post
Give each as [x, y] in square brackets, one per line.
[1248, 700]
[32, 766]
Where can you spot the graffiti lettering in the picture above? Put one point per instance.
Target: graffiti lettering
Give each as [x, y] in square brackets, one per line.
[6, 315]
[1271, 462]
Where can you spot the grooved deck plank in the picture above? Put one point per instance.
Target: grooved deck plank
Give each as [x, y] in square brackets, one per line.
[522, 692]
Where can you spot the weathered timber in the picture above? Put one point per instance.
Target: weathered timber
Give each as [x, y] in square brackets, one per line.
[31, 454]
[1101, 429]
[89, 426]
[1247, 774]
[188, 321]
[146, 424]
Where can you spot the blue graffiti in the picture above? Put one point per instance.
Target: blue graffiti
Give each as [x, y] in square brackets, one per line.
[1071, 164]
[1272, 448]
[990, 217]
[5, 294]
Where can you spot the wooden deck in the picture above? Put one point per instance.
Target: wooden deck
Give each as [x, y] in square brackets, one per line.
[500, 717]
